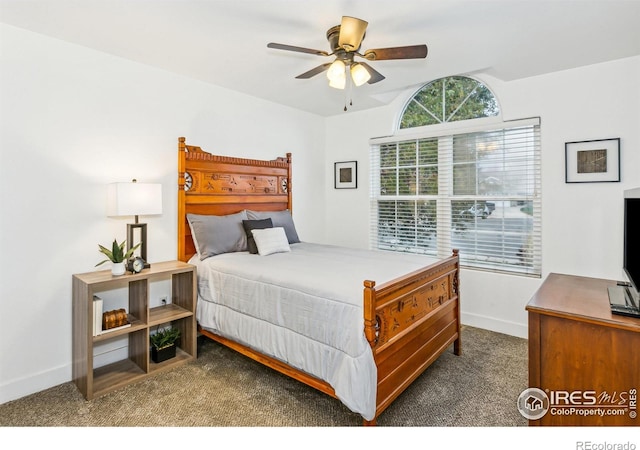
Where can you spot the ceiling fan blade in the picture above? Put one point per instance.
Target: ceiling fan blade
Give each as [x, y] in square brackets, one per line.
[293, 48]
[409, 52]
[315, 71]
[375, 75]
[351, 33]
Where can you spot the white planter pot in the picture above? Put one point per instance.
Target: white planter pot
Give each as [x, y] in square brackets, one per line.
[118, 268]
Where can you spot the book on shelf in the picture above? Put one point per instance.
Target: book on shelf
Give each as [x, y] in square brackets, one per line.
[97, 315]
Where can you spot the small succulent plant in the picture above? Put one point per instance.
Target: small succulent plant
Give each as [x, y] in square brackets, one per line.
[117, 253]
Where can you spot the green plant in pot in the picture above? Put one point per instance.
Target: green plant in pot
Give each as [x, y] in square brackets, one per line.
[117, 256]
[163, 344]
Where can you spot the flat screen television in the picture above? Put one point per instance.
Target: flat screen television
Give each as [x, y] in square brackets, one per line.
[631, 247]
[625, 298]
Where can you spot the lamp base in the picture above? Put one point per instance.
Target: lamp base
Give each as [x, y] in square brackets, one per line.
[143, 240]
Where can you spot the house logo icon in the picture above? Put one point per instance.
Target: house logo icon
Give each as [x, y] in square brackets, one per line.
[533, 403]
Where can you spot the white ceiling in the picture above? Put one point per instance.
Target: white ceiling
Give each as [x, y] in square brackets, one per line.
[224, 42]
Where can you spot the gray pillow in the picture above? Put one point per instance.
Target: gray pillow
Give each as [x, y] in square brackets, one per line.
[279, 219]
[214, 235]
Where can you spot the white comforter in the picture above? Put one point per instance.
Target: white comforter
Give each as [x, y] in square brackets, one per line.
[303, 307]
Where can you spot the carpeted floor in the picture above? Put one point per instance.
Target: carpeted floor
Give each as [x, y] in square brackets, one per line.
[224, 389]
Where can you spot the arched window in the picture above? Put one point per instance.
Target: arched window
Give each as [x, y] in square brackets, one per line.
[473, 186]
[448, 100]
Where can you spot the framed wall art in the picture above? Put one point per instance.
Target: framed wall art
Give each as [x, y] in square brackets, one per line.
[592, 161]
[346, 175]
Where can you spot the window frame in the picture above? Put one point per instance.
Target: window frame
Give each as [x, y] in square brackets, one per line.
[442, 97]
[444, 226]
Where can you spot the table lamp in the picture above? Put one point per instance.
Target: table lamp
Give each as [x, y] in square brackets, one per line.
[135, 199]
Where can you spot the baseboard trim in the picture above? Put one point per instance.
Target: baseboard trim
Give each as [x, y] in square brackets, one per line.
[22, 387]
[497, 325]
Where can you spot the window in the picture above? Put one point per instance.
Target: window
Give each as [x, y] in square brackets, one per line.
[449, 100]
[475, 188]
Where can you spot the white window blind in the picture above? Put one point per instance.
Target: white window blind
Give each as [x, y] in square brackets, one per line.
[476, 190]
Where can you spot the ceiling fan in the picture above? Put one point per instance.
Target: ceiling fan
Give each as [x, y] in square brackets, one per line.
[345, 41]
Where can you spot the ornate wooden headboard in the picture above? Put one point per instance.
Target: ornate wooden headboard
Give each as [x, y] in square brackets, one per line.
[220, 185]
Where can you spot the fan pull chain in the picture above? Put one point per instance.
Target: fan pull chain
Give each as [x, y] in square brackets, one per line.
[348, 92]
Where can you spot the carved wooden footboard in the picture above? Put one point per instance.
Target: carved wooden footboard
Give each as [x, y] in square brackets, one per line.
[408, 321]
[411, 321]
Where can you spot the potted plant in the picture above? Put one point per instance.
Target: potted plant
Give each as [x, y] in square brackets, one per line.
[117, 256]
[163, 344]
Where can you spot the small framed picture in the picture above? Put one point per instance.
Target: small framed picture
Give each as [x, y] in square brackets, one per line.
[346, 175]
[592, 161]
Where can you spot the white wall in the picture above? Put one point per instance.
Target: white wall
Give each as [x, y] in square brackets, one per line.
[74, 120]
[582, 223]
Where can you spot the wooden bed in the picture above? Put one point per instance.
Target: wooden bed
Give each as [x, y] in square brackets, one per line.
[408, 322]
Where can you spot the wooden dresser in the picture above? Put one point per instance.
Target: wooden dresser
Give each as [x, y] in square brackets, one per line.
[585, 359]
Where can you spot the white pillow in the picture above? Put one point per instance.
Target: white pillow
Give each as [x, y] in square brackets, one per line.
[271, 240]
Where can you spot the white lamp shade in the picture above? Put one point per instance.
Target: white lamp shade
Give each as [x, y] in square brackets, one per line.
[134, 199]
[336, 70]
[359, 74]
[338, 82]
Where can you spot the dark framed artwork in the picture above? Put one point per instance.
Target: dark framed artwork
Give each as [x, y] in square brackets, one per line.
[592, 161]
[346, 175]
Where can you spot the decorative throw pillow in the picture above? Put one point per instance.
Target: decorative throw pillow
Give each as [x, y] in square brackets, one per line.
[271, 240]
[280, 219]
[214, 235]
[250, 225]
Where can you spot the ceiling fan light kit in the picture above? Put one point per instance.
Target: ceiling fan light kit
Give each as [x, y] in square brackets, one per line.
[345, 41]
[337, 74]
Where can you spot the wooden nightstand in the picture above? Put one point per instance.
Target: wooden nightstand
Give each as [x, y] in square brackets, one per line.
[180, 313]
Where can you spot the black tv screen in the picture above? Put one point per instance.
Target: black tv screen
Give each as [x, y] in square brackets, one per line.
[631, 249]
